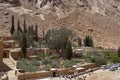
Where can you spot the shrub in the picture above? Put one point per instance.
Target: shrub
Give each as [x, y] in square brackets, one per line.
[41, 55]
[97, 57]
[55, 63]
[28, 65]
[47, 67]
[46, 60]
[115, 59]
[69, 63]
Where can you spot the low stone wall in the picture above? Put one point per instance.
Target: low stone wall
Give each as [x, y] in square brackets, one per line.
[23, 76]
[89, 66]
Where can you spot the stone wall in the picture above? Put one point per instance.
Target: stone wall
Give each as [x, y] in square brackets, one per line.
[23, 76]
[33, 75]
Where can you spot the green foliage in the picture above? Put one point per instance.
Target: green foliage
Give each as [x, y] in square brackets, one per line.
[57, 38]
[88, 41]
[47, 67]
[28, 65]
[12, 25]
[55, 63]
[46, 61]
[36, 33]
[69, 63]
[25, 26]
[79, 42]
[115, 59]
[30, 36]
[24, 46]
[68, 50]
[56, 56]
[118, 52]
[19, 28]
[41, 55]
[96, 57]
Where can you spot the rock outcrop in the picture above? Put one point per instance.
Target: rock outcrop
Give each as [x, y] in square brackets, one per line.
[13, 2]
[98, 18]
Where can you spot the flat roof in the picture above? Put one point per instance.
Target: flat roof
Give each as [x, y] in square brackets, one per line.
[9, 41]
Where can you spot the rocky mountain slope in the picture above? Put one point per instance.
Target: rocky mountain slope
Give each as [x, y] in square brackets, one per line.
[98, 18]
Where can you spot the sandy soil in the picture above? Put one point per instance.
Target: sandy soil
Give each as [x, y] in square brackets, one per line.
[104, 75]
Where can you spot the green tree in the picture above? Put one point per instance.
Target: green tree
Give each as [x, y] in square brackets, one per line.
[19, 28]
[25, 26]
[88, 41]
[118, 52]
[36, 33]
[56, 39]
[30, 36]
[24, 45]
[68, 50]
[79, 42]
[12, 25]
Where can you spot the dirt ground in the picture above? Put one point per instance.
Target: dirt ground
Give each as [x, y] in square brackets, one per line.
[105, 75]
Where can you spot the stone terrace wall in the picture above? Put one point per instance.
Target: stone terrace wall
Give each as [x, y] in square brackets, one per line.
[23, 76]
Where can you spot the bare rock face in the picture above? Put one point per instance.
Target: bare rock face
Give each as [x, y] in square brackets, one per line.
[14, 2]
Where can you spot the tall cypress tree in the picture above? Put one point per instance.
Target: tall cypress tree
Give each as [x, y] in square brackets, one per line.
[79, 42]
[36, 33]
[68, 50]
[118, 52]
[88, 41]
[19, 28]
[12, 25]
[24, 45]
[25, 26]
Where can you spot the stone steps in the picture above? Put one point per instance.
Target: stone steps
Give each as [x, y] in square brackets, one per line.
[9, 63]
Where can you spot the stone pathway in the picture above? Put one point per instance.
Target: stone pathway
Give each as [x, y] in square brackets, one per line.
[11, 73]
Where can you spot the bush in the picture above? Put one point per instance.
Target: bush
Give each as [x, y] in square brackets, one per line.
[41, 55]
[55, 63]
[55, 56]
[46, 60]
[97, 57]
[115, 59]
[47, 67]
[69, 63]
[28, 65]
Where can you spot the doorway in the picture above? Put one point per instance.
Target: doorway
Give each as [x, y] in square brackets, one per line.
[4, 55]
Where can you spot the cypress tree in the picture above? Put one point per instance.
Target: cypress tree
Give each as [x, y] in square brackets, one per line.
[25, 27]
[79, 42]
[12, 25]
[68, 50]
[118, 52]
[88, 41]
[19, 28]
[24, 45]
[36, 33]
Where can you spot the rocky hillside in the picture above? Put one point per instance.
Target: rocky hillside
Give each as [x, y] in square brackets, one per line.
[98, 18]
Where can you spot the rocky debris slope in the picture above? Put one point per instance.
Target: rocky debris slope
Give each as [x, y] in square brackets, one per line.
[98, 18]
